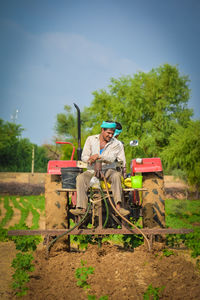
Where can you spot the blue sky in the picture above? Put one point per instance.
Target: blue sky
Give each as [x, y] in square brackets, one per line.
[58, 52]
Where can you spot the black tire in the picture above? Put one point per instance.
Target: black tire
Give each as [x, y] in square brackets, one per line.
[55, 204]
[153, 200]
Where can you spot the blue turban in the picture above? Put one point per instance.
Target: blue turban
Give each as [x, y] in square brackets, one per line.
[108, 125]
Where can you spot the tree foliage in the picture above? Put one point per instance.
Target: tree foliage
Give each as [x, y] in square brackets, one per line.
[16, 152]
[66, 129]
[183, 152]
[148, 105]
[66, 125]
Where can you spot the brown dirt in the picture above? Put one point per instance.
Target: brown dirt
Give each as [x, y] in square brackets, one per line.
[119, 274]
[176, 188]
[7, 253]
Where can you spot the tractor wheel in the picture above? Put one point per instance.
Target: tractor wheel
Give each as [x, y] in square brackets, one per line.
[153, 200]
[55, 204]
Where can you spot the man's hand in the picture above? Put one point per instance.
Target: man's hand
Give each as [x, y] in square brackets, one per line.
[93, 158]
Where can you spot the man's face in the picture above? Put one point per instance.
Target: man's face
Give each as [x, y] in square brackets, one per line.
[107, 134]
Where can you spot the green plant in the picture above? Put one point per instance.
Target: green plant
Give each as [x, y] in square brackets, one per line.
[193, 242]
[24, 212]
[25, 243]
[153, 293]
[3, 234]
[28, 204]
[22, 264]
[184, 214]
[82, 273]
[9, 212]
[167, 252]
[132, 241]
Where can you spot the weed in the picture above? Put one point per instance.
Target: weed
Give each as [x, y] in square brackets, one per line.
[81, 275]
[153, 293]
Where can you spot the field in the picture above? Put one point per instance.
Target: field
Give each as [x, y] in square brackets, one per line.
[113, 271]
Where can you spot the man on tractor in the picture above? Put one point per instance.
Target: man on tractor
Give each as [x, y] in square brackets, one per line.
[118, 131]
[106, 148]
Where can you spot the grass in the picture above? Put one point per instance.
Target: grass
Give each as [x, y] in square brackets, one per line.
[184, 214]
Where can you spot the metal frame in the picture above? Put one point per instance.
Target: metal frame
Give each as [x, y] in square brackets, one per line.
[99, 230]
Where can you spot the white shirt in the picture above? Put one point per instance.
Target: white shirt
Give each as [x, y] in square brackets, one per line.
[113, 150]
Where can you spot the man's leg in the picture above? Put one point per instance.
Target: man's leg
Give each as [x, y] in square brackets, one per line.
[82, 185]
[114, 177]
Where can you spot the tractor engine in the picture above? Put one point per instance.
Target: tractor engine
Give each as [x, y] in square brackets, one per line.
[153, 200]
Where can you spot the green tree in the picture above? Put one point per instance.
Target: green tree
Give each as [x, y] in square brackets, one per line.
[9, 137]
[66, 125]
[183, 152]
[41, 159]
[67, 130]
[16, 152]
[148, 105]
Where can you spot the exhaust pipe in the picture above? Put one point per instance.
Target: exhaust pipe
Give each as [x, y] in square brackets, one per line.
[79, 150]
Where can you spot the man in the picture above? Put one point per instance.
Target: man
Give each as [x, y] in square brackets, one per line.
[101, 146]
[118, 130]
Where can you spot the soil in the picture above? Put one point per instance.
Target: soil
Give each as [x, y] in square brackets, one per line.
[118, 273]
[7, 253]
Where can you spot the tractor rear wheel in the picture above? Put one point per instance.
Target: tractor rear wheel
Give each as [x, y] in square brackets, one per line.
[55, 204]
[153, 200]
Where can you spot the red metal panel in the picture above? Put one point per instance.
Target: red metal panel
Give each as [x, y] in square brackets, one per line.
[54, 166]
[148, 165]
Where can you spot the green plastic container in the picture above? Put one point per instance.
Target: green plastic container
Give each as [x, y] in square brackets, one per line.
[136, 181]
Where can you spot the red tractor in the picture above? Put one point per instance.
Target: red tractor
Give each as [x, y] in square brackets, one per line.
[146, 201]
